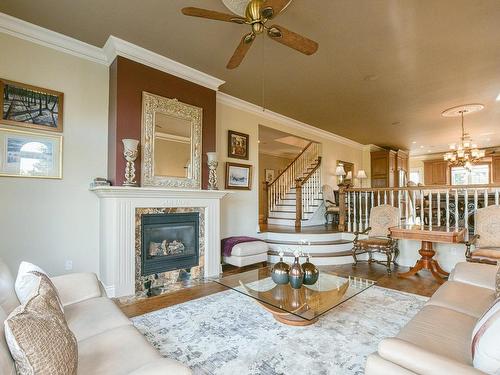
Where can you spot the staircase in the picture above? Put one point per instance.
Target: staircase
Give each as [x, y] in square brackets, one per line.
[294, 197]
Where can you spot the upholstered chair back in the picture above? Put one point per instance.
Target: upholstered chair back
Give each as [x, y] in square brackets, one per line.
[328, 195]
[487, 225]
[381, 219]
[8, 302]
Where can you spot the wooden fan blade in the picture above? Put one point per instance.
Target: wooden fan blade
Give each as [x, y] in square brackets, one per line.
[292, 40]
[241, 51]
[276, 5]
[212, 14]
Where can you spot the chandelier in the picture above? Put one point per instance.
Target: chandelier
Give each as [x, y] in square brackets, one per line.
[464, 153]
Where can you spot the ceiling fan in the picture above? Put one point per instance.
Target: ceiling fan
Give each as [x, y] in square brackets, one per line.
[257, 14]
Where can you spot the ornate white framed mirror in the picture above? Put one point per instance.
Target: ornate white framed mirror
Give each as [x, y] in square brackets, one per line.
[171, 143]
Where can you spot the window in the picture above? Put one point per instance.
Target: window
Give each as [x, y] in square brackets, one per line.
[415, 175]
[479, 174]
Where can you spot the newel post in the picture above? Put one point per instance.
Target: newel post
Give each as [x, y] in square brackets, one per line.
[342, 207]
[298, 203]
[266, 200]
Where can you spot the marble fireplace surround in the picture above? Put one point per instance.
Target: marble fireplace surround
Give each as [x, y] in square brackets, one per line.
[117, 229]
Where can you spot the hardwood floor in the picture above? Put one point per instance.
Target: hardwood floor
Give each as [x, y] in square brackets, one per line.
[422, 284]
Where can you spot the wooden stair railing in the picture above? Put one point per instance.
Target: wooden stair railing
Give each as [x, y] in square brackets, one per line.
[307, 190]
[276, 190]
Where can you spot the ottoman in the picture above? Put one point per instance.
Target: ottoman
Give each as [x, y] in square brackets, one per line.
[244, 254]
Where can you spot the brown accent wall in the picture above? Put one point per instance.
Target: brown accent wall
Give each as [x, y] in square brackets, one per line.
[128, 79]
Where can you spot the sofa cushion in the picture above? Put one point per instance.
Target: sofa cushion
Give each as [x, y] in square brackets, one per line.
[115, 352]
[249, 248]
[465, 298]
[38, 337]
[442, 331]
[8, 297]
[26, 281]
[485, 341]
[477, 274]
[497, 283]
[7, 366]
[94, 316]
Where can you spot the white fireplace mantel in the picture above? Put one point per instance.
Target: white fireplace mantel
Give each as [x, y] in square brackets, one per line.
[117, 206]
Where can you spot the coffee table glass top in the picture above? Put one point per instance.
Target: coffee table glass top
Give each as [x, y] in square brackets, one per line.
[308, 302]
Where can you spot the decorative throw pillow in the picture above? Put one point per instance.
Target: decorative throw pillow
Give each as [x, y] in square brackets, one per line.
[26, 282]
[485, 342]
[38, 336]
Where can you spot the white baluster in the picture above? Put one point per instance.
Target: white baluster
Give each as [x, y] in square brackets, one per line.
[399, 204]
[496, 197]
[355, 217]
[349, 226]
[407, 204]
[466, 208]
[414, 194]
[378, 198]
[373, 200]
[385, 196]
[485, 195]
[430, 209]
[360, 212]
[366, 210]
[438, 208]
[456, 209]
[392, 197]
[447, 208]
[422, 208]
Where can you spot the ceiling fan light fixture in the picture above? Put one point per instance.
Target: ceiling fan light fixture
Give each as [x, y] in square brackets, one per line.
[274, 32]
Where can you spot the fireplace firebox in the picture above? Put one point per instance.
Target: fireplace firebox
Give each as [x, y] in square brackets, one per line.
[169, 241]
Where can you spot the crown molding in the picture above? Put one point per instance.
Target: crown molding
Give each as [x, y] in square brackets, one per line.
[114, 47]
[273, 116]
[48, 38]
[119, 47]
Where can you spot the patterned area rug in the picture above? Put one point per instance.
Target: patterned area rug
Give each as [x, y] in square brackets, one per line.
[229, 333]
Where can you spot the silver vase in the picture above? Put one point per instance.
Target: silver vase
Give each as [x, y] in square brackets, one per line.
[279, 272]
[296, 274]
[311, 272]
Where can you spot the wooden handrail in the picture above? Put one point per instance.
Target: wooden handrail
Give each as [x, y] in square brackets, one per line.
[428, 187]
[302, 181]
[291, 163]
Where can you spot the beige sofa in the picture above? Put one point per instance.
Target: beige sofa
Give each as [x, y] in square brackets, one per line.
[108, 343]
[437, 340]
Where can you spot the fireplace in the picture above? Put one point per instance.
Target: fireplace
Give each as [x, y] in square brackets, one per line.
[169, 241]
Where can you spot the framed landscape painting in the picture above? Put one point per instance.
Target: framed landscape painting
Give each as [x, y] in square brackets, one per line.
[237, 145]
[238, 176]
[30, 106]
[30, 154]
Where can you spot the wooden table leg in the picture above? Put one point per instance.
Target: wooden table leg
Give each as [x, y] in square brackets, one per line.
[427, 262]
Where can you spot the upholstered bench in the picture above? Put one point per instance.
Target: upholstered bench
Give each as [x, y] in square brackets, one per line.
[244, 254]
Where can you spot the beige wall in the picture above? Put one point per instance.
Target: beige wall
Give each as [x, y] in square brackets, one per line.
[268, 162]
[240, 210]
[51, 221]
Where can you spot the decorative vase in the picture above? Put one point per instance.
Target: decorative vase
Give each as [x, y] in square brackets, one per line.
[280, 271]
[212, 170]
[130, 154]
[296, 275]
[311, 272]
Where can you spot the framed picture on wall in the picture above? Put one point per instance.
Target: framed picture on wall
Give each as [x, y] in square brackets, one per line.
[269, 175]
[238, 176]
[348, 167]
[237, 145]
[30, 154]
[30, 106]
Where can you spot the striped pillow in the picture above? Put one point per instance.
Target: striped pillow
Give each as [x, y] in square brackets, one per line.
[485, 343]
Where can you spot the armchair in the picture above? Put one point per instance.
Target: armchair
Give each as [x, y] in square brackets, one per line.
[379, 240]
[331, 208]
[486, 239]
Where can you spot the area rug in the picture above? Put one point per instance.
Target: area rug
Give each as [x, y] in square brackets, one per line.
[229, 333]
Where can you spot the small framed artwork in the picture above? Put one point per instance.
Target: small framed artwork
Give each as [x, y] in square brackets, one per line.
[31, 107]
[238, 176]
[237, 145]
[30, 154]
[269, 175]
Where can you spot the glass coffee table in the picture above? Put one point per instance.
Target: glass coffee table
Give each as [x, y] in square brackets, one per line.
[299, 307]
